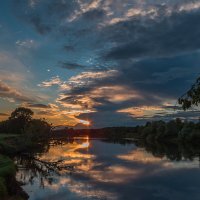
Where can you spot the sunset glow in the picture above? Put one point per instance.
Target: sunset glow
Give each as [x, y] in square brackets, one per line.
[87, 123]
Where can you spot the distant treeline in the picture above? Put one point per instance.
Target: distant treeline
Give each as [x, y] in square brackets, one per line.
[152, 131]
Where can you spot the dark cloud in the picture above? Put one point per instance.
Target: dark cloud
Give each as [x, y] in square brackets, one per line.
[71, 66]
[39, 25]
[95, 14]
[108, 119]
[31, 105]
[139, 37]
[136, 37]
[155, 79]
[46, 15]
[163, 77]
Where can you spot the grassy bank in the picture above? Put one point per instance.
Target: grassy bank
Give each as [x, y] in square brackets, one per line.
[9, 188]
[7, 169]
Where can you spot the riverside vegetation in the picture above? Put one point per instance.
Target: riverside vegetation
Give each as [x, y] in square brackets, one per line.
[20, 133]
[156, 131]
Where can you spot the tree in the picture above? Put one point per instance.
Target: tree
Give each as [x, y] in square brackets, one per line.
[191, 97]
[37, 129]
[22, 113]
[19, 118]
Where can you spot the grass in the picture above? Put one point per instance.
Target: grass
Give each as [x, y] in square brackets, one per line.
[6, 135]
[7, 168]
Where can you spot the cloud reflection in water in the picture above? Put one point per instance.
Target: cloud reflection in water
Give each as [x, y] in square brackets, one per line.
[114, 171]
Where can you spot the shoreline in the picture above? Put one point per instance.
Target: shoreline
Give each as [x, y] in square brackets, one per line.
[10, 188]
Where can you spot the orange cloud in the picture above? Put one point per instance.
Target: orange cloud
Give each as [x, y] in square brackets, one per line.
[149, 111]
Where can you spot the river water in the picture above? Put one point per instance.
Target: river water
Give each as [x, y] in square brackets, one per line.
[95, 169]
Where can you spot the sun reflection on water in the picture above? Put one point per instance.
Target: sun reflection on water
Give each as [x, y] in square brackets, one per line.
[86, 144]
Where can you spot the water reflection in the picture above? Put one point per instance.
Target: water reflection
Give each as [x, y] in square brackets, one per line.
[87, 169]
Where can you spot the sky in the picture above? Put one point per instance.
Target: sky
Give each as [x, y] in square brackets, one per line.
[98, 62]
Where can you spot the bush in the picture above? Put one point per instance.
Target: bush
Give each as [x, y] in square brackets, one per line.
[37, 129]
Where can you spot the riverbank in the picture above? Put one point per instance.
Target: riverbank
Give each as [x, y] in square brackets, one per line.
[10, 189]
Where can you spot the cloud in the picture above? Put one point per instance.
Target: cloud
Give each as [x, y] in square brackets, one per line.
[142, 111]
[33, 3]
[154, 38]
[84, 79]
[152, 28]
[3, 115]
[108, 119]
[29, 43]
[90, 77]
[53, 81]
[94, 14]
[190, 6]
[71, 66]
[37, 23]
[36, 13]
[93, 93]
[12, 69]
[142, 91]
[146, 53]
[38, 105]
[8, 92]
[132, 92]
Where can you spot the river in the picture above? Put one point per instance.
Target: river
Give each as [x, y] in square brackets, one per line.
[97, 169]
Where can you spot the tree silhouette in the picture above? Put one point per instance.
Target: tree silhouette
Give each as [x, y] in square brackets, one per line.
[22, 113]
[191, 97]
[19, 118]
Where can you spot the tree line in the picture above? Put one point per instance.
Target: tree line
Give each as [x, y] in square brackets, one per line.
[174, 130]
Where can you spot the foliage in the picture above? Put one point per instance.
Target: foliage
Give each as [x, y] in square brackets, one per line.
[21, 113]
[191, 97]
[19, 118]
[174, 130]
[5, 126]
[37, 129]
[21, 122]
